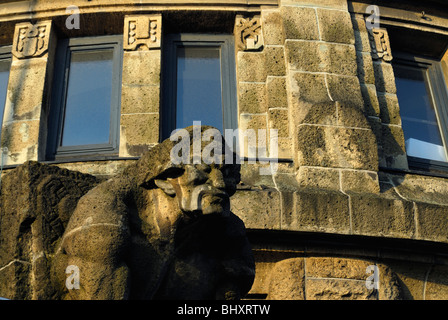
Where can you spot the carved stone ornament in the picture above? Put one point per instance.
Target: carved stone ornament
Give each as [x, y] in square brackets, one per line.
[31, 40]
[142, 32]
[379, 41]
[248, 31]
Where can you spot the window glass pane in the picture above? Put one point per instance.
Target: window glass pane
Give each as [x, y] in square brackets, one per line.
[88, 102]
[4, 76]
[199, 96]
[419, 120]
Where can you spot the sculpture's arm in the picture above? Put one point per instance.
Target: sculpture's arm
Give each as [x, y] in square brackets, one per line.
[95, 241]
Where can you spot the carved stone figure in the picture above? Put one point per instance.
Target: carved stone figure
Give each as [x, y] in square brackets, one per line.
[158, 231]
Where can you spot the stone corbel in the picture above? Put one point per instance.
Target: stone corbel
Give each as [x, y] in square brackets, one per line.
[248, 33]
[379, 41]
[31, 40]
[142, 32]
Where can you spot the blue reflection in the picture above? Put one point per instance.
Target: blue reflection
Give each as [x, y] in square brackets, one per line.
[4, 76]
[419, 119]
[87, 109]
[199, 93]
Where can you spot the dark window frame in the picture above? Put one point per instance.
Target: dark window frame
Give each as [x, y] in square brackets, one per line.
[439, 95]
[228, 76]
[57, 113]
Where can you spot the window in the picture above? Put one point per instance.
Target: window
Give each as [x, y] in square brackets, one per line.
[199, 82]
[86, 99]
[5, 65]
[423, 98]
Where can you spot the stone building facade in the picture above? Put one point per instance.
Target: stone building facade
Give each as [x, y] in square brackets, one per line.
[350, 212]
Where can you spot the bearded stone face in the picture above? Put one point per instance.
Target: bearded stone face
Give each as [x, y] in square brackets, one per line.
[203, 189]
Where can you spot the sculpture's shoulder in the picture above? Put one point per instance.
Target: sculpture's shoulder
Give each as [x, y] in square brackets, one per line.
[99, 224]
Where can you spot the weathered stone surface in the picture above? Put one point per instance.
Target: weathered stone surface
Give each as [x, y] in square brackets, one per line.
[275, 61]
[337, 289]
[432, 221]
[317, 113]
[418, 188]
[371, 104]
[276, 91]
[105, 169]
[21, 139]
[384, 77]
[278, 119]
[285, 148]
[273, 33]
[412, 279]
[251, 177]
[336, 4]
[356, 181]
[396, 218]
[36, 204]
[343, 268]
[258, 209]
[365, 67]
[335, 26]
[266, 260]
[300, 23]
[249, 135]
[251, 66]
[390, 286]
[362, 42]
[141, 67]
[393, 146]
[351, 115]
[389, 108]
[252, 97]
[318, 210]
[287, 280]
[309, 87]
[26, 89]
[320, 178]
[345, 89]
[138, 132]
[331, 278]
[437, 284]
[337, 147]
[316, 56]
[140, 99]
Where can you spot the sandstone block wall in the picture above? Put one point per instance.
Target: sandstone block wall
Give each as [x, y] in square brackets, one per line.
[311, 73]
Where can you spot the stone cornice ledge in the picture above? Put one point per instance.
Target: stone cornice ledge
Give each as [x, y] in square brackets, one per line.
[23, 10]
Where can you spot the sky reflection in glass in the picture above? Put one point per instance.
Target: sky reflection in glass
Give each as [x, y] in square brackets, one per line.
[199, 93]
[88, 102]
[419, 120]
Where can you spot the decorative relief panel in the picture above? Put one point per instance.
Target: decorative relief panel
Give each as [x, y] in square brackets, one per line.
[31, 40]
[248, 33]
[379, 41]
[142, 32]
